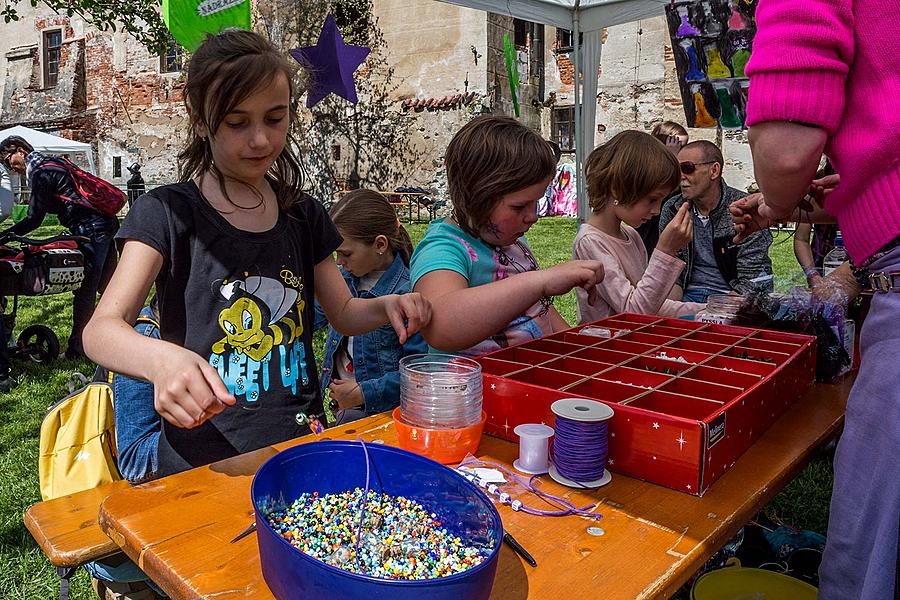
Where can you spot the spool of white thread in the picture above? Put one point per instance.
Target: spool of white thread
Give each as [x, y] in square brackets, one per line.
[533, 442]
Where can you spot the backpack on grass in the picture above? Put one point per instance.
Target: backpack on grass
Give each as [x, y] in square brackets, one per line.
[78, 439]
[93, 192]
[78, 436]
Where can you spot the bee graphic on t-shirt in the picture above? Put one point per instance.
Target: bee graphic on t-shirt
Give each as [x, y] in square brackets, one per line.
[256, 321]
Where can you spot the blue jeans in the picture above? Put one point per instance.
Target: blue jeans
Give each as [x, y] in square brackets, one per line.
[99, 263]
[138, 425]
[699, 294]
[138, 428]
[348, 415]
[125, 571]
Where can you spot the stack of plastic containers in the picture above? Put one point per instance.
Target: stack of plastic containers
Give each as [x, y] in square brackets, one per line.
[440, 391]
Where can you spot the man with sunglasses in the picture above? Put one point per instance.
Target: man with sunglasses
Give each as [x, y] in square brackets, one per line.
[715, 265]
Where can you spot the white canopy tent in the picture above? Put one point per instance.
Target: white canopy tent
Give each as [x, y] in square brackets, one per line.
[46, 142]
[579, 16]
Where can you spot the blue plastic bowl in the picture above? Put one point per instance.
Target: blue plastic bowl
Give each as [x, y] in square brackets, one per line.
[337, 466]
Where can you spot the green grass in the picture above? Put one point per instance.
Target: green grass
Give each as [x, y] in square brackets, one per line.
[25, 573]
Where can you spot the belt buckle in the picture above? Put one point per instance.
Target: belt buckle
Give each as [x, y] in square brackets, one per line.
[882, 282]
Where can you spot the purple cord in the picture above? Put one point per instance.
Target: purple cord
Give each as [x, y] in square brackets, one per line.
[565, 506]
[580, 449]
[362, 508]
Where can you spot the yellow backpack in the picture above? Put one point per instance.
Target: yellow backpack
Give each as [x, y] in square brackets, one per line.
[78, 439]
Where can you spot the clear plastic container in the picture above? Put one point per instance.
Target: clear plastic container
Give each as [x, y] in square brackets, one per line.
[440, 391]
[721, 309]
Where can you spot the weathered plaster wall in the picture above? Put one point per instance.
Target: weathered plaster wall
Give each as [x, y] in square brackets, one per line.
[110, 93]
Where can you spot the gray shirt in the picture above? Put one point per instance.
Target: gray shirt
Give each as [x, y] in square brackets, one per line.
[706, 274]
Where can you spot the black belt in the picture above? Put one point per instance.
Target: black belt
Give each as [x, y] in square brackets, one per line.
[878, 281]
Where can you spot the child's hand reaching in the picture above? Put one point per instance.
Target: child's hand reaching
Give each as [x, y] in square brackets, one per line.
[563, 277]
[678, 233]
[674, 144]
[347, 393]
[408, 313]
[187, 390]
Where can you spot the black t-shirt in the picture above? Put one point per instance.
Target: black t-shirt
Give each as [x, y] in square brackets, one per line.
[244, 301]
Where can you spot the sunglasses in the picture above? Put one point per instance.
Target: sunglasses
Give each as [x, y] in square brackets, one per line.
[688, 167]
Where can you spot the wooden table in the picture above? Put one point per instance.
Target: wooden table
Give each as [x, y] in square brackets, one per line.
[178, 528]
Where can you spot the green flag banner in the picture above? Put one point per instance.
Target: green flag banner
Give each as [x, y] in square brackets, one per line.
[512, 70]
[189, 21]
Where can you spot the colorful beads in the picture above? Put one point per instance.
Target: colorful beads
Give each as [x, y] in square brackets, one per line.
[399, 538]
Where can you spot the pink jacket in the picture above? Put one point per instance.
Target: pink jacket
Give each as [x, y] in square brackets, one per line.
[630, 283]
[834, 64]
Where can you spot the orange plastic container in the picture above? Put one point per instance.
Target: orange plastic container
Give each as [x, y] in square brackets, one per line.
[446, 446]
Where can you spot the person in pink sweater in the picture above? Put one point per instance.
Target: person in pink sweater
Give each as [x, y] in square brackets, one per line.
[627, 179]
[824, 78]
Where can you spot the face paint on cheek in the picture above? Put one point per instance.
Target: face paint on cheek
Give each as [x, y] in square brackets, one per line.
[493, 229]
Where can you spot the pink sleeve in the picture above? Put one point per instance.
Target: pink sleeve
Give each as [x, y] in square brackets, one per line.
[648, 296]
[674, 308]
[799, 63]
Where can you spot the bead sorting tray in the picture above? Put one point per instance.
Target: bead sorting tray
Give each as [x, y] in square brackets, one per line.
[689, 397]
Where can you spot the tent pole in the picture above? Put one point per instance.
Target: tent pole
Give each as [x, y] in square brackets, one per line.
[579, 146]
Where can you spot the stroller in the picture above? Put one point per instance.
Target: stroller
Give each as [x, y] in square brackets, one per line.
[37, 268]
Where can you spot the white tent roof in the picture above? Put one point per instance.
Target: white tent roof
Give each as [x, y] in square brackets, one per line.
[579, 16]
[46, 142]
[591, 14]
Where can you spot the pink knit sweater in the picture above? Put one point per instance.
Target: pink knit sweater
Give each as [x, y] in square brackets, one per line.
[836, 64]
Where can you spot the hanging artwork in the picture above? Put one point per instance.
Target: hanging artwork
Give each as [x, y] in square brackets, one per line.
[331, 63]
[712, 41]
[563, 192]
[190, 21]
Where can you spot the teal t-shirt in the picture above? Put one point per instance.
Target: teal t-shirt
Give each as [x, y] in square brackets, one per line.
[447, 247]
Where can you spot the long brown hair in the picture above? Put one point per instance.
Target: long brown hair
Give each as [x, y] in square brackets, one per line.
[628, 167]
[489, 158]
[226, 69]
[364, 215]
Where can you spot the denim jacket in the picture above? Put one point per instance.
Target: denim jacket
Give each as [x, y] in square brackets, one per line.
[377, 354]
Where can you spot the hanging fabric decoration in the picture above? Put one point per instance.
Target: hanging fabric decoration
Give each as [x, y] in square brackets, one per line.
[512, 71]
[190, 21]
[331, 63]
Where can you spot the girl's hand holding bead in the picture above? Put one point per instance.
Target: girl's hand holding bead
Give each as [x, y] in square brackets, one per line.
[561, 278]
[347, 393]
[408, 313]
[187, 390]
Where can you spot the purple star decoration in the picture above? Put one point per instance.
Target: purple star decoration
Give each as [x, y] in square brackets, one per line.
[332, 63]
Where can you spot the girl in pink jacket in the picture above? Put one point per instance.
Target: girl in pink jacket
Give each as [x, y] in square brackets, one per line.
[627, 179]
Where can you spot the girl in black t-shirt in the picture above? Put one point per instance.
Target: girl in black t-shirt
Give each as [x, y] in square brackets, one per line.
[238, 254]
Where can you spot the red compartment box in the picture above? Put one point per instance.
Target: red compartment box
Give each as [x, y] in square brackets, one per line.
[689, 398]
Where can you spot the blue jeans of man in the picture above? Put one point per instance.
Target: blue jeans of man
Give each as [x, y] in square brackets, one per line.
[99, 263]
[699, 294]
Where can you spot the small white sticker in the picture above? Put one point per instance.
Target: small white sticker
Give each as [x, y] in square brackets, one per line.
[204, 9]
